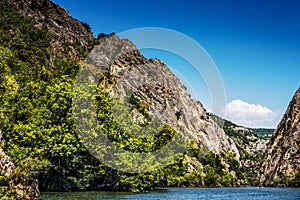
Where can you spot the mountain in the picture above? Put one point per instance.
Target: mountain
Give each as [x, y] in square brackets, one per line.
[281, 163]
[44, 52]
[265, 133]
[165, 97]
[251, 143]
[35, 55]
[57, 20]
[42, 49]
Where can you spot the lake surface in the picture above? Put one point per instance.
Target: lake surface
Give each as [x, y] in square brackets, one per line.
[247, 193]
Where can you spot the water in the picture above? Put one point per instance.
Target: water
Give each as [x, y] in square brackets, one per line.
[247, 193]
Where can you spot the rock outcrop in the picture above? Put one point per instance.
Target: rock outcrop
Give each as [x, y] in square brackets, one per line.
[153, 82]
[56, 18]
[5, 163]
[282, 159]
[24, 191]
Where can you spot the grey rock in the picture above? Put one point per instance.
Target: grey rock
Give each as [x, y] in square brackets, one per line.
[282, 159]
[6, 164]
[158, 88]
[56, 18]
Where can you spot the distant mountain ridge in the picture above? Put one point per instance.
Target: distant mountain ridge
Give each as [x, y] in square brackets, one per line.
[263, 132]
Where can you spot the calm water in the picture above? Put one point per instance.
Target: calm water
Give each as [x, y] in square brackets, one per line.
[246, 193]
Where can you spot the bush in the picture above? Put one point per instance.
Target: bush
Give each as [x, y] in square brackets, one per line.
[6, 193]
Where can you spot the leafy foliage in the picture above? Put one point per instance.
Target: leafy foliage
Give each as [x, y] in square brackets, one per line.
[243, 138]
[6, 193]
[136, 103]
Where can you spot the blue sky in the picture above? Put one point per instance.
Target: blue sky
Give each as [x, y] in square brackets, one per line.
[255, 45]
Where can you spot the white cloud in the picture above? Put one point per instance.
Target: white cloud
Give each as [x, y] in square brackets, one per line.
[250, 115]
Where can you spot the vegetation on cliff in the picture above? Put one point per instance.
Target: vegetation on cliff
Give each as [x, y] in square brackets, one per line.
[251, 144]
[37, 75]
[38, 125]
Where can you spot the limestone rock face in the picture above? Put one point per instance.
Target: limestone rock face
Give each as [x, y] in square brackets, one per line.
[193, 163]
[282, 159]
[5, 163]
[157, 87]
[56, 18]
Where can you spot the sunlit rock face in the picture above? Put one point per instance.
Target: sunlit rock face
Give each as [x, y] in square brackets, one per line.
[55, 18]
[165, 96]
[282, 159]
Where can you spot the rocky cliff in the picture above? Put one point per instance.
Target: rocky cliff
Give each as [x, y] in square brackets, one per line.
[63, 163]
[153, 82]
[281, 162]
[55, 18]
